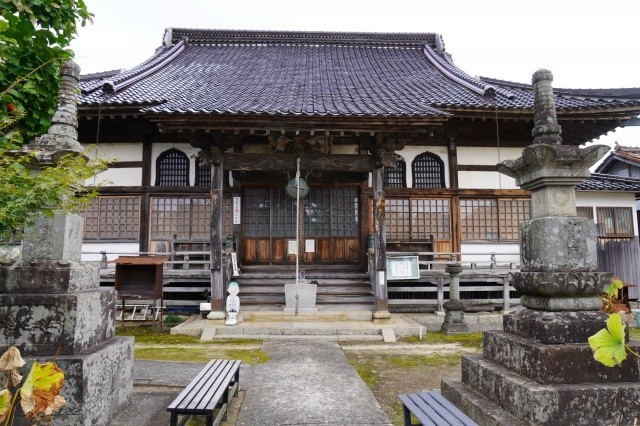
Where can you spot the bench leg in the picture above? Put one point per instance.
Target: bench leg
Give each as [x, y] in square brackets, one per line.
[209, 421]
[174, 419]
[406, 415]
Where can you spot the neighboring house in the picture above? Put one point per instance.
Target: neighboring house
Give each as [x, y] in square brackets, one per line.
[611, 201]
[622, 161]
[377, 120]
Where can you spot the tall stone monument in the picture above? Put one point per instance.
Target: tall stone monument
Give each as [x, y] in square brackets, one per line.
[51, 304]
[540, 369]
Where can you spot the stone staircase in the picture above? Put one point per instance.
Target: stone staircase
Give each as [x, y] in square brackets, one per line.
[337, 286]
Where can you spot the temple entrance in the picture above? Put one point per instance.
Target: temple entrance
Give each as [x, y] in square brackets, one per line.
[329, 225]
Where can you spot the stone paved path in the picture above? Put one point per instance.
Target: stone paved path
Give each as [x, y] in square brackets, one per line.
[307, 382]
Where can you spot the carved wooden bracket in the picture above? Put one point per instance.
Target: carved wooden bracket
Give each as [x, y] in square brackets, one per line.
[211, 156]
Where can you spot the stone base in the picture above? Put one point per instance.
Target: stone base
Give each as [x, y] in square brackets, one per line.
[454, 322]
[66, 323]
[306, 298]
[216, 315]
[554, 327]
[532, 403]
[560, 304]
[96, 383]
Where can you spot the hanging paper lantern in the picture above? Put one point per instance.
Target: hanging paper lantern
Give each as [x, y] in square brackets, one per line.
[291, 188]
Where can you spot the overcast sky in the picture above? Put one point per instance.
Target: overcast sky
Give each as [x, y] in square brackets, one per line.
[586, 44]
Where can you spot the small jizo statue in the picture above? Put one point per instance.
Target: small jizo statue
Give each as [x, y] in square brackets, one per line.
[233, 303]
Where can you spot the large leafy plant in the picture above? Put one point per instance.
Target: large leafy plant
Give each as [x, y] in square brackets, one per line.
[39, 394]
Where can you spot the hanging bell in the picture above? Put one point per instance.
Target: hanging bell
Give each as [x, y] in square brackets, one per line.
[292, 188]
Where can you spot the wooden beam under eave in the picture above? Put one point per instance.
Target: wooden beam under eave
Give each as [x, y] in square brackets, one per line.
[280, 161]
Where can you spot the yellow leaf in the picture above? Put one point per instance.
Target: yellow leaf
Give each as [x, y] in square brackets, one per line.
[608, 344]
[39, 393]
[5, 404]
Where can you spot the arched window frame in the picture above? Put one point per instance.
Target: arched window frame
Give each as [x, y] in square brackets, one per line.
[396, 177]
[428, 181]
[180, 177]
[203, 174]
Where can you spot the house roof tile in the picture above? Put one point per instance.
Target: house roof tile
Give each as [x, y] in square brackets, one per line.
[604, 182]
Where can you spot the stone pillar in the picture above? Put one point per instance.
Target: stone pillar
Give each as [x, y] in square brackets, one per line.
[454, 307]
[51, 304]
[540, 369]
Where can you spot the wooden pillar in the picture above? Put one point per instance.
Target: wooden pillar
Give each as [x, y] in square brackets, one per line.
[456, 231]
[145, 199]
[216, 238]
[380, 242]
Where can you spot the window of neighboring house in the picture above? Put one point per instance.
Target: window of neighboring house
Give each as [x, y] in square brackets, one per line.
[112, 218]
[396, 176]
[615, 222]
[493, 219]
[172, 168]
[586, 212]
[428, 171]
[417, 219]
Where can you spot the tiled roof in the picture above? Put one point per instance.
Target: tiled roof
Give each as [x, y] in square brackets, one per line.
[315, 74]
[603, 182]
[625, 154]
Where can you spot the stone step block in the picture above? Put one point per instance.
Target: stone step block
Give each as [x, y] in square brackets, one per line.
[49, 276]
[548, 364]
[555, 327]
[535, 403]
[480, 409]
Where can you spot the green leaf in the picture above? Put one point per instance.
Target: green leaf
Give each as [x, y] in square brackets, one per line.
[608, 344]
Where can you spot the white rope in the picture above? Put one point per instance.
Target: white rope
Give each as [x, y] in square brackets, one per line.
[297, 232]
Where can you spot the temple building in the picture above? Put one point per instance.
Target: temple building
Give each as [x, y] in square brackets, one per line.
[397, 145]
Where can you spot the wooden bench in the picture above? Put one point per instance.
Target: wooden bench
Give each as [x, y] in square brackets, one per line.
[210, 391]
[431, 408]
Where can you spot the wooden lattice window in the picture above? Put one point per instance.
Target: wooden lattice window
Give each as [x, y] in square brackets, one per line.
[172, 168]
[396, 176]
[186, 218]
[428, 171]
[317, 213]
[256, 212]
[615, 222]
[112, 218]
[511, 213]
[417, 219]
[283, 221]
[203, 173]
[493, 219]
[345, 212]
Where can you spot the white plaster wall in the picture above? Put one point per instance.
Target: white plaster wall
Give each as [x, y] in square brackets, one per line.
[505, 252]
[607, 199]
[118, 177]
[91, 250]
[116, 151]
[190, 151]
[485, 180]
[409, 153]
[486, 155]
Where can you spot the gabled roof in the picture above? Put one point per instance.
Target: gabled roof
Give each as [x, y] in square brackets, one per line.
[604, 182]
[317, 74]
[625, 154]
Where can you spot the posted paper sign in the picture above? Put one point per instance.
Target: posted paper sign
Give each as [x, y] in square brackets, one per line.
[236, 210]
[402, 268]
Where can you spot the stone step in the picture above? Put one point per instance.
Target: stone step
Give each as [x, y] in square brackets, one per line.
[336, 337]
[480, 409]
[536, 403]
[570, 364]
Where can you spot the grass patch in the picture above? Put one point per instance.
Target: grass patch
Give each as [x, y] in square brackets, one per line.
[367, 373]
[200, 354]
[163, 336]
[634, 333]
[415, 361]
[467, 340]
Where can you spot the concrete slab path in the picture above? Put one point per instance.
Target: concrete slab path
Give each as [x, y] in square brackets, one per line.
[307, 383]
